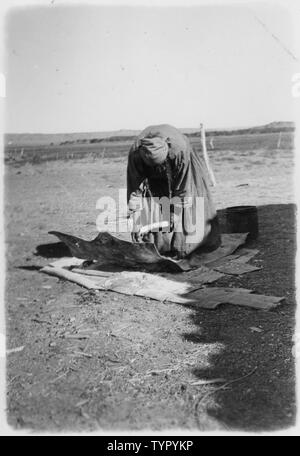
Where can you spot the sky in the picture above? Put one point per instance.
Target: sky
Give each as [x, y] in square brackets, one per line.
[89, 68]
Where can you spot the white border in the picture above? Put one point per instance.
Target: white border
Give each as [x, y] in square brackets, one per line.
[294, 8]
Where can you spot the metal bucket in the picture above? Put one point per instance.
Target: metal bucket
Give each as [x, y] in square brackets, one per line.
[242, 219]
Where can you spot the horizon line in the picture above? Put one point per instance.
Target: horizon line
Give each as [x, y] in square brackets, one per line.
[140, 129]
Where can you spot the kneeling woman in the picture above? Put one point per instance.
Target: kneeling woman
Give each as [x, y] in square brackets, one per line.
[162, 165]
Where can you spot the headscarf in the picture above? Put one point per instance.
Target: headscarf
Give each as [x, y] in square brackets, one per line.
[154, 151]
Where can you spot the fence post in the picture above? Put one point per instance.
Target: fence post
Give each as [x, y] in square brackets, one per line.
[279, 141]
[206, 159]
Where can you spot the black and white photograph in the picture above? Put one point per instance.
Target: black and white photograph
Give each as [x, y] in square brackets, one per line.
[149, 198]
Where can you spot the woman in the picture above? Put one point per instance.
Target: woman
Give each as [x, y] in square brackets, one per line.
[162, 163]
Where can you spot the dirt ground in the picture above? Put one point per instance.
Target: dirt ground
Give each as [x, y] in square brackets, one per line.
[104, 360]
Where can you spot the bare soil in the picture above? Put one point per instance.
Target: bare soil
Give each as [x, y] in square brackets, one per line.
[133, 362]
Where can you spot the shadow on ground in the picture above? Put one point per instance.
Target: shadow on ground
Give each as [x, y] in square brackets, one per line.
[136, 371]
[254, 342]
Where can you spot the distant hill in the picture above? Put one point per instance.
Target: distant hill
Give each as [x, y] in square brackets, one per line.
[272, 127]
[279, 125]
[39, 139]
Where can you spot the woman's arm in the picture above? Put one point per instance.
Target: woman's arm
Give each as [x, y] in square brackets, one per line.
[134, 175]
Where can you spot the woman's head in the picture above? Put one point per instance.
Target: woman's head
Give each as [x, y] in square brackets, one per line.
[153, 150]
